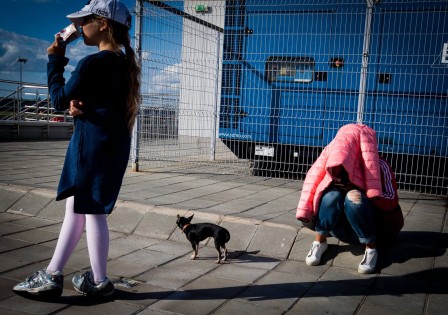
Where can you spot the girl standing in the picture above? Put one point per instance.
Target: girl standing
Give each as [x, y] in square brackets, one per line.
[103, 95]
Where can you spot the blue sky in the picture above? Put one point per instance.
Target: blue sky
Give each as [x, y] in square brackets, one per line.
[27, 28]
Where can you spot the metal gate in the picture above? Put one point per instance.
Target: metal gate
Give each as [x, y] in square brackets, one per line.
[260, 87]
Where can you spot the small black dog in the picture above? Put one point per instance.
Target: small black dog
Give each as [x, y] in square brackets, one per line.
[200, 231]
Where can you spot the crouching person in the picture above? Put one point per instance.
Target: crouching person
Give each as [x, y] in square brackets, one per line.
[351, 193]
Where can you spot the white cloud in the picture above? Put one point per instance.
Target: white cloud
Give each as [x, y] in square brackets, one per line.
[14, 46]
[167, 80]
[146, 55]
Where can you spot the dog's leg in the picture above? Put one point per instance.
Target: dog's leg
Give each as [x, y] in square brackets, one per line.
[218, 248]
[225, 252]
[195, 250]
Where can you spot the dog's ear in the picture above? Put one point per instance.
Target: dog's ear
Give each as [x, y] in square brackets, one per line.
[178, 216]
[190, 218]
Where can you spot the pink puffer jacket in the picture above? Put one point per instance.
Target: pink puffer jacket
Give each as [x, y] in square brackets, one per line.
[355, 148]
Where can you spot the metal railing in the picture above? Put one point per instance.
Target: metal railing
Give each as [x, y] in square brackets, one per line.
[26, 112]
[28, 102]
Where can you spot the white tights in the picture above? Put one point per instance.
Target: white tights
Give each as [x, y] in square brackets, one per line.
[97, 233]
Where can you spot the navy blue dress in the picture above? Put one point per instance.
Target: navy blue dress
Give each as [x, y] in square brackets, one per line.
[98, 152]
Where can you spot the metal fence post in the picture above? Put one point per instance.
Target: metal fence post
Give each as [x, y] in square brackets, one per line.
[215, 109]
[135, 145]
[365, 62]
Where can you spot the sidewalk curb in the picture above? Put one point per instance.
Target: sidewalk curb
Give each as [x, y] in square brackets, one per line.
[158, 222]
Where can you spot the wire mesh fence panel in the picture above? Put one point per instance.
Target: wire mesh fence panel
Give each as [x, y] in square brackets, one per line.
[181, 64]
[260, 87]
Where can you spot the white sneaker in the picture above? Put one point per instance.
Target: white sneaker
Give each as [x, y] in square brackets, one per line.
[368, 263]
[315, 253]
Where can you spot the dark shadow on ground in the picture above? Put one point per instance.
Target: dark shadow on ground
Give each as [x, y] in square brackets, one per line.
[379, 286]
[365, 285]
[409, 245]
[414, 244]
[72, 299]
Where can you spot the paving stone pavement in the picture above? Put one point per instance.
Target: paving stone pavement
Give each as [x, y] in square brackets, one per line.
[265, 273]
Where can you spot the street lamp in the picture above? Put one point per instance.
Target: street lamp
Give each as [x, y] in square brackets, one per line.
[20, 61]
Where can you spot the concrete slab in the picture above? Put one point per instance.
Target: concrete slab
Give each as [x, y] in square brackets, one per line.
[32, 253]
[9, 196]
[113, 307]
[127, 269]
[199, 266]
[197, 304]
[234, 271]
[148, 257]
[244, 307]
[32, 203]
[6, 286]
[55, 210]
[299, 268]
[159, 223]
[241, 232]
[18, 304]
[344, 288]
[367, 309]
[350, 276]
[323, 305]
[141, 295]
[8, 228]
[35, 236]
[398, 293]
[10, 262]
[126, 217]
[273, 240]
[437, 303]
[7, 244]
[199, 203]
[9, 217]
[175, 248]
[133, 242]
[215, 288]
[295, 285]
[36, 222]
[269, 296]
[252, 260]
[166, 278]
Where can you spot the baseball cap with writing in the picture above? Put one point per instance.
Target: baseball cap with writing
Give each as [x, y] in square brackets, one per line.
[110, 9]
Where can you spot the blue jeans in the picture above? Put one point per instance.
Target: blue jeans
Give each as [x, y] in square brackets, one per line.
[348, 216]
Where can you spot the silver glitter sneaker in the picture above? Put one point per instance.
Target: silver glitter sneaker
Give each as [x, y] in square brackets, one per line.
[41, 284]
[84, 284]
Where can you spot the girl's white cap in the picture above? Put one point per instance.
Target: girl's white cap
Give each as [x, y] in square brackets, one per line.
[111, 9]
